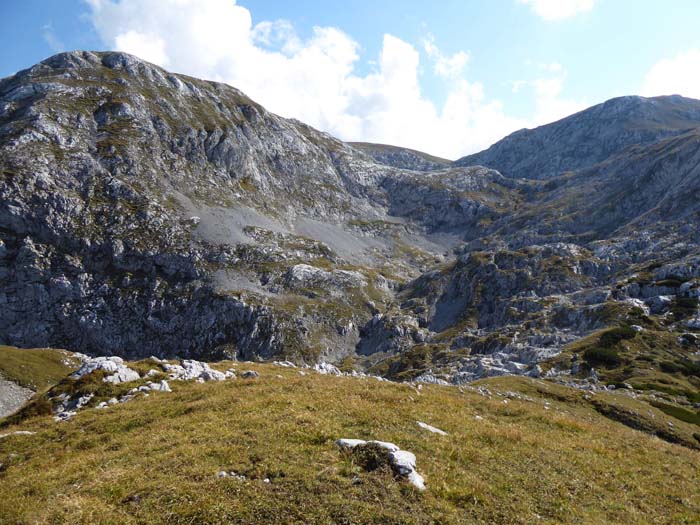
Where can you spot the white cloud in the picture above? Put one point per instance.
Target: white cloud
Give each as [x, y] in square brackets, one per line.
[151, 47]
[315, 79]
[558, 9]
[49, 36]
[446, 66]
[674, 76]
[547, 92]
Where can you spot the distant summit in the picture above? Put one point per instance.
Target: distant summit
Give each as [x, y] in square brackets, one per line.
[404, 158]
[588, 137]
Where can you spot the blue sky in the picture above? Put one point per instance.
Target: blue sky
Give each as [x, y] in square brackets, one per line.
[448, 77]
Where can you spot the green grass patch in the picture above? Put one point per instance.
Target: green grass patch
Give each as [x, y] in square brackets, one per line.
[679, 413]
[611, 337]
[36, 368]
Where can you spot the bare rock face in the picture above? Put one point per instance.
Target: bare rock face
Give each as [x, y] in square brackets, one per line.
[148, 213]
[12, 397]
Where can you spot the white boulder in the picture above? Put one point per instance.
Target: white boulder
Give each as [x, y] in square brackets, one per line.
[119, 372]
[123, 375]
[402, 462]
[327, 369]
[189, 370]
[693, 324]
[163, 386]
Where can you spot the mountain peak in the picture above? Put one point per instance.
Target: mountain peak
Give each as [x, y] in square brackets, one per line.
[84, 59]
[589, 136]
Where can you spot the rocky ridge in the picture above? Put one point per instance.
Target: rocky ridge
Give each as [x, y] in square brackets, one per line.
[589, 137]
[403, 158]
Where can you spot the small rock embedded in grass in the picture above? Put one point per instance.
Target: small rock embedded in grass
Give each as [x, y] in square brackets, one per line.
[232, 474]
[431, 428]
[17, 433]
[163, 386]
[285, 364]
[69, 407]
[134, 499]
[250, 374]
[327, 369]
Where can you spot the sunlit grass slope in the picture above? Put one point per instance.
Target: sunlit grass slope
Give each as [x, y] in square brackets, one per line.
[548, 457]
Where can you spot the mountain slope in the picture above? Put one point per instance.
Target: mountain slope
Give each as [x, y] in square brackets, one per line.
[144, 213]
[24, 372]
[588, 137]
[147, 213]
[516, 450]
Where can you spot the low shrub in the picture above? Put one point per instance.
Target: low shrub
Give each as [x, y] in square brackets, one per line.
[597, 356]
[615, 335]
[687, 368]
[678, 412]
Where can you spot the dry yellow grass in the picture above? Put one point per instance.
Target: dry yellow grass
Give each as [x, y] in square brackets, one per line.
[551, 459]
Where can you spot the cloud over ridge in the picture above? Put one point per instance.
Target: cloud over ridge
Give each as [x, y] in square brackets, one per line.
[315, 79]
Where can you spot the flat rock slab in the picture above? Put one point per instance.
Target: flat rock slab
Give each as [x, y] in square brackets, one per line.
[431, 428]
[17, 433]
[12, 397]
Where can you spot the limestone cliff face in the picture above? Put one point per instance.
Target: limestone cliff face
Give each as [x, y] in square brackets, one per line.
[143, 212]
